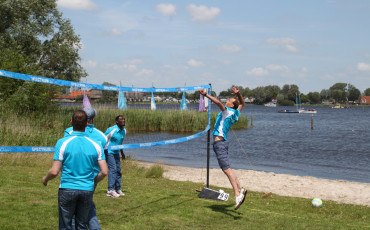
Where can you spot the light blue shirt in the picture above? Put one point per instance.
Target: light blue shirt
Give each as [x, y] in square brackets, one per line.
[79, 155]
[115, 137]
[93, 133]
[225, 119]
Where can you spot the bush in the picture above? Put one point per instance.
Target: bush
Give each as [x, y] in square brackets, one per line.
[156, 171]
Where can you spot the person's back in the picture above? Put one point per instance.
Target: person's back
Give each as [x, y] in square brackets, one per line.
[79, 155]
[76, 156]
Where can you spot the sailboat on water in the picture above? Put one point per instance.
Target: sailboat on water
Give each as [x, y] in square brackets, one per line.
[299, 108]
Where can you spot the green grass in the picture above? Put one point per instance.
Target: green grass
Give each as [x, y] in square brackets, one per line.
[158, 203]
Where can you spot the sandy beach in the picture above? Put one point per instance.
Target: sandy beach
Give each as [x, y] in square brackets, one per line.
[341, 191]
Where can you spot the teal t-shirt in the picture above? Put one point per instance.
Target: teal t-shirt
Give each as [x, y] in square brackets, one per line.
[79, 155]
[115, 137]
[224, 121]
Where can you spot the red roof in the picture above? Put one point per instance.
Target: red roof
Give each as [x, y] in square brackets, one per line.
[365, 100]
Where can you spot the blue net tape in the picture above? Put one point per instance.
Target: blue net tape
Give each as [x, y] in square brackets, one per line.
[52, 81]
[31, 149]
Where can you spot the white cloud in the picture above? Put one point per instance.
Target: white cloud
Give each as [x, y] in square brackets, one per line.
[258, 71]
[277, 67]
[166, 9]
[115, 23]
[279, 41]
[291, 48]
[363, 66]
[90, 64]
[145, 72]
[77, 4]
[287, 43]
[195, 63]
[115, 32]
[202, 13]
[304, 69]
[230, 48]
[117, 66]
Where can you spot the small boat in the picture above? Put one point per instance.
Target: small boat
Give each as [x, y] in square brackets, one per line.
[270, 104]
[337, 107]
[288, 111]
[307, 111]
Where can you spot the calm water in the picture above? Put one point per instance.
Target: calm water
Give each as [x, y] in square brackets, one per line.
[337, 148]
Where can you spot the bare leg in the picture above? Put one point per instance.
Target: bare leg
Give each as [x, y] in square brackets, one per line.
[233, 180]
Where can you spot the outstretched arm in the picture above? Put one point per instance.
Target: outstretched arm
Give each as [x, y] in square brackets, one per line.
[212, 98]
[53, 172]
[240, 97]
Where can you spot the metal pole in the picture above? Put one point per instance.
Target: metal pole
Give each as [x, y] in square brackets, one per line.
[209, 135]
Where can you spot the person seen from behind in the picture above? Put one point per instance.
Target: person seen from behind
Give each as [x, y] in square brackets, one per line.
[99, 137]
[76, 157]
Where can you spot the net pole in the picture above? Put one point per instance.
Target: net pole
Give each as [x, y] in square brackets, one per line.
[208, 135]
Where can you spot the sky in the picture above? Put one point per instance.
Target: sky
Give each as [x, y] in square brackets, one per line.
[311, 43]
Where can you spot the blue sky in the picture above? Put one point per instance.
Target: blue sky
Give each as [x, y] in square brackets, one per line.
[313, 44]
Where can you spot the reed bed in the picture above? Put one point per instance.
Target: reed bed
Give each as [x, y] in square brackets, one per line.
[45, 128]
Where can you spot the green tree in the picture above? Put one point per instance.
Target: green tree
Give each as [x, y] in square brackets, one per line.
[314, 97]
[259, 95]
[367, 92]
[290, 92]
[108, 95]
[353, 93]
[324, 94]
[338, 92]
[36, 40]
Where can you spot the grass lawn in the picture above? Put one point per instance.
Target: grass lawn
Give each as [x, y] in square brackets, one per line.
[158, 203]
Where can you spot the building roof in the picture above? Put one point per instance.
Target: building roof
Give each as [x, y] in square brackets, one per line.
[365, 100]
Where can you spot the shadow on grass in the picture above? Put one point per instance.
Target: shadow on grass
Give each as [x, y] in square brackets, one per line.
[170, 204]
[227, 210]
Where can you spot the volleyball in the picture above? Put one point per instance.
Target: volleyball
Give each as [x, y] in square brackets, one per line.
[317, 202]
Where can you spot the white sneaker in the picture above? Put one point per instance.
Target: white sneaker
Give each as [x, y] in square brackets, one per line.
[120, 193]
[240, 199]
[112, 193]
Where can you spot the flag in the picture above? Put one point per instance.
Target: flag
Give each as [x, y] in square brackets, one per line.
[183, 105]
[121, 100]
[201, 104]
[86, 102]
[152, 105]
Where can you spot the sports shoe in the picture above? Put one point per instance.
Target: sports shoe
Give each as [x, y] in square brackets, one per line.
[112, 193]
[240, 199]
[120, 193]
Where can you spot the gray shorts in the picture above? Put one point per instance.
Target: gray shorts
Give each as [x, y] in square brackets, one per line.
[221, 149]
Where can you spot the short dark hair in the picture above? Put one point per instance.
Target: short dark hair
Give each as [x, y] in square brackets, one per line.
[236, 103]
[79, 120]
[119, 117]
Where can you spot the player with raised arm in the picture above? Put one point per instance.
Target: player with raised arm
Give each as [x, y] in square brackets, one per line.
[225, 120]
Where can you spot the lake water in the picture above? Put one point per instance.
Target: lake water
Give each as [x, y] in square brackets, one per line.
[337, 148]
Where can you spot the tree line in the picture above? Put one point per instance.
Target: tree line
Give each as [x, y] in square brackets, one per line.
[337, 93]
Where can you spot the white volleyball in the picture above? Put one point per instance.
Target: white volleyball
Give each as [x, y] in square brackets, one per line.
[317, 202]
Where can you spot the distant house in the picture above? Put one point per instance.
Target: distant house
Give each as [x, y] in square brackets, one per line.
[74, 94]
[365, 100]
[95, 94]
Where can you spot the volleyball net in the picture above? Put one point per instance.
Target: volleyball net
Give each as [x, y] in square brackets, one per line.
[86, 86]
